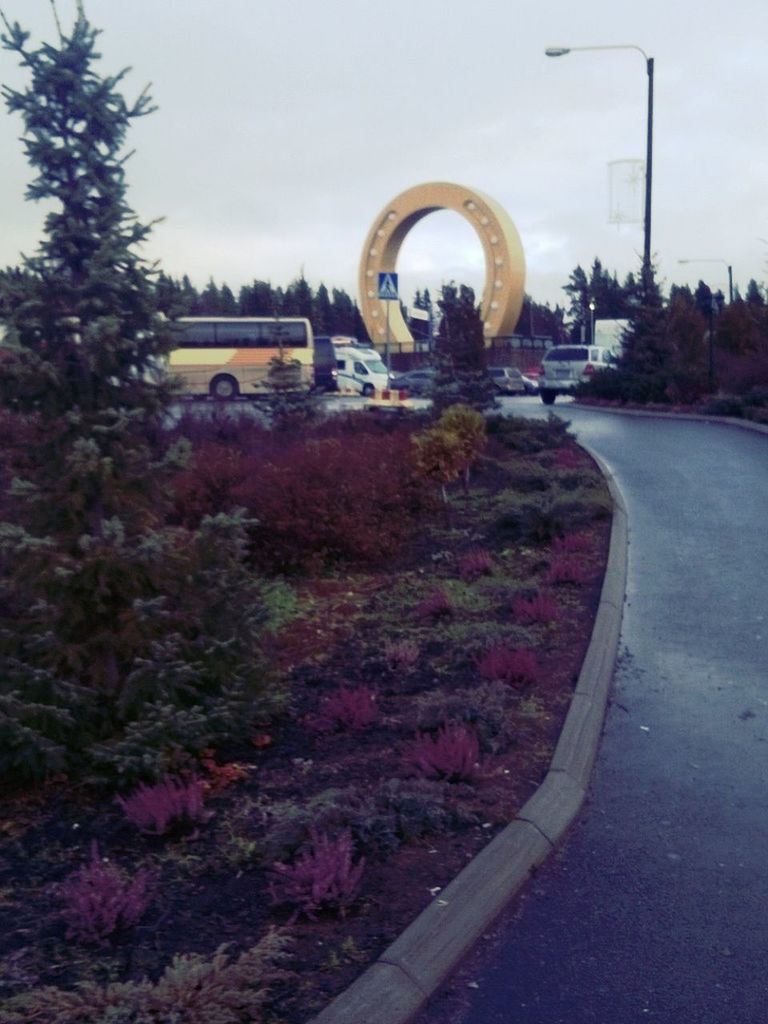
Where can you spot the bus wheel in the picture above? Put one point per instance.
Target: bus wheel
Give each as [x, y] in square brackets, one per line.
[368, 390]
[224, 387]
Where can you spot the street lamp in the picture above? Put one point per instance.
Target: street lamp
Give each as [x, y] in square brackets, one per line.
[726, 264]
[591, 321]
[561, 51]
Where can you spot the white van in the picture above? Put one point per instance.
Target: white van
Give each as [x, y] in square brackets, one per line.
[360, 369]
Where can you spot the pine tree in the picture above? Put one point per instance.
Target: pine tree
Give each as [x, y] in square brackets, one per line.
[118, 645]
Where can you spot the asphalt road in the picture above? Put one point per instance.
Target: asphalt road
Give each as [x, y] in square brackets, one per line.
[656, 908]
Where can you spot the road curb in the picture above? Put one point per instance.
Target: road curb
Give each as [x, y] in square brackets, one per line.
[394, 988]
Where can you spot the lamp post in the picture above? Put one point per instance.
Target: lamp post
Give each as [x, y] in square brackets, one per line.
[726, 264]
[561, 51]
[591, 321]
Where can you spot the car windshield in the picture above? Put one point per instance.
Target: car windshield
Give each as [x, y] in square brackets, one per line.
[375, 366]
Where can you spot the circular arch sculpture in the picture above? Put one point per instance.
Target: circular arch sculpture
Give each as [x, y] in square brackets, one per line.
[504, 288]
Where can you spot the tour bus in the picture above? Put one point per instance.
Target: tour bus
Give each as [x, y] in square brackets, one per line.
[226, 357]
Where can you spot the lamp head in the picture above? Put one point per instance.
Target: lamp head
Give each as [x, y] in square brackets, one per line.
[556, 51]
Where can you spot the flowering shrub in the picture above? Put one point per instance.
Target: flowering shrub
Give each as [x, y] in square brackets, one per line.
[171, 803]
[347, 709]
[100, 899]
[517, 667]
[323, 877]
[453, 754]
[571, 544]
[401, 656]
[567, 570]
[540, 608]
[435, 607]
[475, 563]
[567, 458]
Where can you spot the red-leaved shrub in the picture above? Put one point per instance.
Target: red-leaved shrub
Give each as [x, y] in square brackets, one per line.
[475, 563]
[453, 754]
[542, 607]
[211, 483]
[220, 776]
[170, 804]
[324, 877]
[436, 607]
[347, 708]
[101, 899]
[516, 667]
[326, 501]
[567, 570]
[316, 500]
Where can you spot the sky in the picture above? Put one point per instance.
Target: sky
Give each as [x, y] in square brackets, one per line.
[284, 128]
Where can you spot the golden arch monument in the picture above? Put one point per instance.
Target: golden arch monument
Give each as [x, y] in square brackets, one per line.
[504, 288]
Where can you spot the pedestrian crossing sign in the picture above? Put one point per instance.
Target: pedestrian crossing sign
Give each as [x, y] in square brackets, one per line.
[388, 286]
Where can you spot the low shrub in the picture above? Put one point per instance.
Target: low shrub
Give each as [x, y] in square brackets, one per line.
[193, 990]
[540, 608]
[324, 502]
[324, 877]
[527, 436]
[473, 564]
[347, 708]
[453, 754]
[566, 569]
[101, 899]
[484, 708]
[220, 776]
[571, 544]
[418, 806]
[316, 500]
[436, 607]
[518, 667]
[171, 805]
[401, 656]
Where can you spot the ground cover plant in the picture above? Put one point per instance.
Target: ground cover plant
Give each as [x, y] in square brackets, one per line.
[424, 685]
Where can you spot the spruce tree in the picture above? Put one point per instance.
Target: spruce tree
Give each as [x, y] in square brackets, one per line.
[460, 353]
[122, 640]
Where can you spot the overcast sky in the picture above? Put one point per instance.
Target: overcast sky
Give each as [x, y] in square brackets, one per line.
[284, 127]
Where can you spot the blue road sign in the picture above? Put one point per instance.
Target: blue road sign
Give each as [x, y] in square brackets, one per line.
[388, 287]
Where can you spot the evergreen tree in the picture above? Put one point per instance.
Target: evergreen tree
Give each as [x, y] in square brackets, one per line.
[257, 300]
[460, 353]
[343, 319]
[228, 305]
[209, 303]
[122, 640]
[321, 311]
[755, 295]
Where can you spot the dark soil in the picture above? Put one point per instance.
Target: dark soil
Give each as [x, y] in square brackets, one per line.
[214, 882]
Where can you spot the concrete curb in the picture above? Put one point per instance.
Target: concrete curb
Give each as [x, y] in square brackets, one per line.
[394, 988]
[696, 417]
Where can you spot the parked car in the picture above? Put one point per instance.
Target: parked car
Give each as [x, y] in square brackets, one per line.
[508, 379]
[416, 382]
[564, 367]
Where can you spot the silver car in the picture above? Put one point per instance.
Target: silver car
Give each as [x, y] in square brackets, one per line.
[564, 367]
